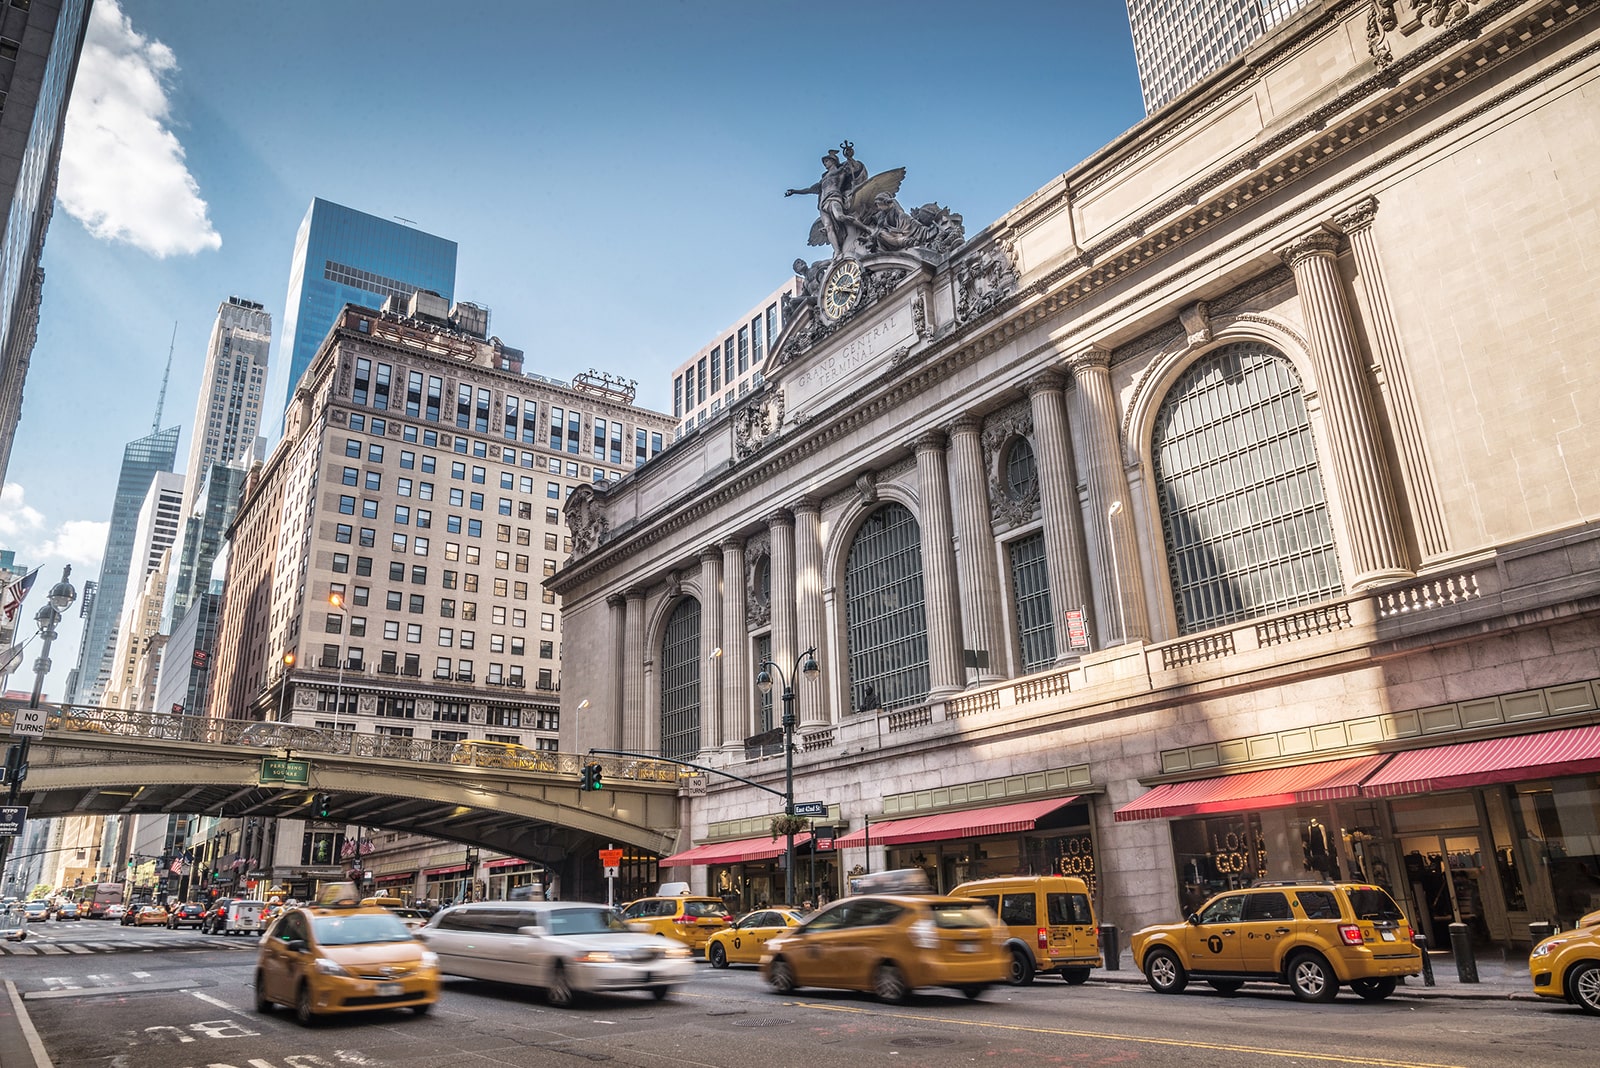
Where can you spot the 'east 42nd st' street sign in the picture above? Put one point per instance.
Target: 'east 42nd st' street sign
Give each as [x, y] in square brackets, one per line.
[811, 808]
[290, 772]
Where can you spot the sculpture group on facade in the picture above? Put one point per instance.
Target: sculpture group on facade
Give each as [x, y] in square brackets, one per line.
[860, 216]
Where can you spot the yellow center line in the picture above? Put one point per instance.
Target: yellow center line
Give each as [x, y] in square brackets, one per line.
[1222, 1047]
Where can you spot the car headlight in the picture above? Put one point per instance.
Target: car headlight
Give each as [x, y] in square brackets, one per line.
[328, 967]
[1547, 947]
[594, 956]
[430, 959]
[679, 952]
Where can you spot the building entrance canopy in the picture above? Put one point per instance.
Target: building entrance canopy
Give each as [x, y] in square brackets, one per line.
[1549, 755]
[731, 852]
[972, 823]
[1327, 780]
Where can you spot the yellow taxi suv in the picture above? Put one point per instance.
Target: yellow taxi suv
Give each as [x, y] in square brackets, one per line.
[892, 943]
[337, 956]
[1567, 965]
[1051, 924]
[744, 942]
[1312, 936]
[691, 920]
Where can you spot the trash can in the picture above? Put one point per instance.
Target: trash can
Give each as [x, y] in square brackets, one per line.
[1461, 948]
[1538, 931]
[1111, 947]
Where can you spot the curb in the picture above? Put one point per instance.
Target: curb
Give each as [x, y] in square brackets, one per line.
[1456, 992]
[18, 1039]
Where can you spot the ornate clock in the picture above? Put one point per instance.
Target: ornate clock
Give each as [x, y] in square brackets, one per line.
[841, 292]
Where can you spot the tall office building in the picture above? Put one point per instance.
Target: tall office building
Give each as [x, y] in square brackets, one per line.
[142, 460]
[136, 654]
[1178, 44]
[39, 47]
[716, 376]
[227, 415]
[343, 256]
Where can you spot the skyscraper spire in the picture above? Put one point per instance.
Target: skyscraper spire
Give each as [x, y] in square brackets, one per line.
[161, 401]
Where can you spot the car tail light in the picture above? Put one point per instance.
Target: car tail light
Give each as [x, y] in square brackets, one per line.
[687, 921]
[1408, 934]
[1044, 938]
[1350, 934]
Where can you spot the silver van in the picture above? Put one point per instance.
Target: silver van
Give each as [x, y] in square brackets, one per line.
[243, 917]
[566, 948]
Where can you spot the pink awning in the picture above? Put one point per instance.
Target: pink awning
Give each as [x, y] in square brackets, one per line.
[505, 862]
[763, 848]
[970, 823]
[449, 869]
[1299, 784]
[1573, 751]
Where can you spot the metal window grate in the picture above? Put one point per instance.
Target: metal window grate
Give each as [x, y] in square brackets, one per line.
[680, 682]
[1242, 502]
[887, 622]
[1030, 583]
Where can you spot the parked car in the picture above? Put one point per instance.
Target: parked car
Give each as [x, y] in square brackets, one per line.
[1051, 921]
[566, 948]
[67, 910]
[1312, 936]
[188, 914]
[1567, 965]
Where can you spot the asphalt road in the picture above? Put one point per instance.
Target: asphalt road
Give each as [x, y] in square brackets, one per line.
[120, 998]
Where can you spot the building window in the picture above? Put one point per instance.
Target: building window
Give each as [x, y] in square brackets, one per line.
[680, 682]
[1242, 505]
[887, 625]
[1030, 584]
[341, 562]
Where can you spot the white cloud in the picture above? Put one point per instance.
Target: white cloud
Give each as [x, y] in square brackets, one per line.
[122, 169]
[23, 529]
[17, 518]
[79, 541]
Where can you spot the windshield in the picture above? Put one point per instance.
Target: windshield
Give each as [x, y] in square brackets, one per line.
[962, 914]
[585, 921]
[1371, 903]
[359, 928]
[706, 909]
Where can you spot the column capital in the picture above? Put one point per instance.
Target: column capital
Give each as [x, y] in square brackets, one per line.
[966, 423]
[808, 504]
[780, 517]
[1089, 358]
[709, 553]
[1045, 382]
[1359, 216]
[634, 593]
[732, 543]
[1318, 242]
[930, 441]
[616, 600]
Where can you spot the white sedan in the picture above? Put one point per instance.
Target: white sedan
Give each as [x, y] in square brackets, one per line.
[114, 912]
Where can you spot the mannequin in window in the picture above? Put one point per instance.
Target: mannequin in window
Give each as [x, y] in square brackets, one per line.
[1314, 844]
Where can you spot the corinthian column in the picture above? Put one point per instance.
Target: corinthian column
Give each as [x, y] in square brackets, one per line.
[710, 639]
[946, 673]
[736, 673]
[1119, 585]
[781, 525]
[975, 559]
[1394, 381]
[636, 736]
[813, 704]
[1066, 561]
[1372, 530]
[614, 732]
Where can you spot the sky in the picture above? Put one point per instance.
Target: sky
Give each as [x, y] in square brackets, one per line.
[612, 172]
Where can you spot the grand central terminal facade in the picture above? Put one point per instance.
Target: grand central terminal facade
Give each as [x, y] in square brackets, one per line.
[1227, 510]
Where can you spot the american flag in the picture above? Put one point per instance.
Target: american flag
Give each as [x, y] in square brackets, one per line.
[177, 866]
[15, 593]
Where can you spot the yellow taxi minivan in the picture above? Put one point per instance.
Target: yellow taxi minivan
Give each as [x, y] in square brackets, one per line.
[337, 955]
[1051, 923]
[689, 919]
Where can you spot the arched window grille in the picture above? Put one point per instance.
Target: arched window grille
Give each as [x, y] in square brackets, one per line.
[1022, 473]
[887, 625]
[680, 682]
[1242, 504]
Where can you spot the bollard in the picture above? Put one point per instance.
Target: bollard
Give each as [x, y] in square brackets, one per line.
[1538, 931]
[1461, 947]
[1427, 958]
[1111, 947]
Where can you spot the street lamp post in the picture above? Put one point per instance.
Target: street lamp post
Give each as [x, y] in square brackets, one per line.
[283, 676]
[62, 594]
[804, 664]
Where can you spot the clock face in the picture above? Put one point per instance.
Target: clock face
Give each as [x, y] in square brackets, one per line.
[841, 293]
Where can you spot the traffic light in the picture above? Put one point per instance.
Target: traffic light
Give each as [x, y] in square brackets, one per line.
[591, 777]
[324, 806]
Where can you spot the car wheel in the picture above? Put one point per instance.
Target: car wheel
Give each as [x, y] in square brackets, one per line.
[559, 993]
[1583, 987]
[305, 1015]
[889, 984]
[1075, 976]
[717, 955]
[1311, 979]
[661, 992]
[264, 1004]
[423, 1009]
[780, 977]
[1164, 973]
[1374, 989]
[974, 991]
[1225, 986]
[1021, 968]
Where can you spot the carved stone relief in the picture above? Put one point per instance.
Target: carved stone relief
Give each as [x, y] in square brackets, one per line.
[999, 431]
[758, 423]
[587, 521]
[983, 280]
[1405, 17]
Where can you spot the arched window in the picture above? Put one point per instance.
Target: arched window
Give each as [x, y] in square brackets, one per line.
[680, 682]
[1242, 507]
[887, 626]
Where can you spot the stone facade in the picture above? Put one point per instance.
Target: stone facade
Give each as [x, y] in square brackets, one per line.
[1394, 215]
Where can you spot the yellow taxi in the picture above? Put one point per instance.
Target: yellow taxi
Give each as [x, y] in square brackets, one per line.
[744, 941]
[412, 918]
[151, 916]
[1051, 922]
[1567, 965]
[689, 919]
[891, 940]
[337, 955]
[1312, 936]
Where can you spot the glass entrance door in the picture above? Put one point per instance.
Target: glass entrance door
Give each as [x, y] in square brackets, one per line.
[1443, 873]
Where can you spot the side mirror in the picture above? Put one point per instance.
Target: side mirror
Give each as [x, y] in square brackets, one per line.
[532, 930]
[1194, 918]
[296, 945]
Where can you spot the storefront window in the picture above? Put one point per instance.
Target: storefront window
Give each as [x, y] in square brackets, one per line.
[1562, 819]
[1217, 853]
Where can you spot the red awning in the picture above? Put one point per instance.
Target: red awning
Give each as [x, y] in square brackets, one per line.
[1271, 788]
[971, 823]
[764, 848]
[1573, 751]
[395, 877]
[449, 869]
[505, 862]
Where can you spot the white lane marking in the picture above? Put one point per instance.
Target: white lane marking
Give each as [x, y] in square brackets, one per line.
[41, 1059]
[141, 975]
[209, 1000]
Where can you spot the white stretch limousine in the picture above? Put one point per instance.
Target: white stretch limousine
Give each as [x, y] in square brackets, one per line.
[563, 947]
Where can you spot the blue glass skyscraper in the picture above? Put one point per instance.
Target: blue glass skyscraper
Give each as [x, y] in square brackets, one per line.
[343, 256]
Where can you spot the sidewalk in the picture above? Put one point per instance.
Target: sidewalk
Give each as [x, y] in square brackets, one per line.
[19, 1043]
[1501, 977]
